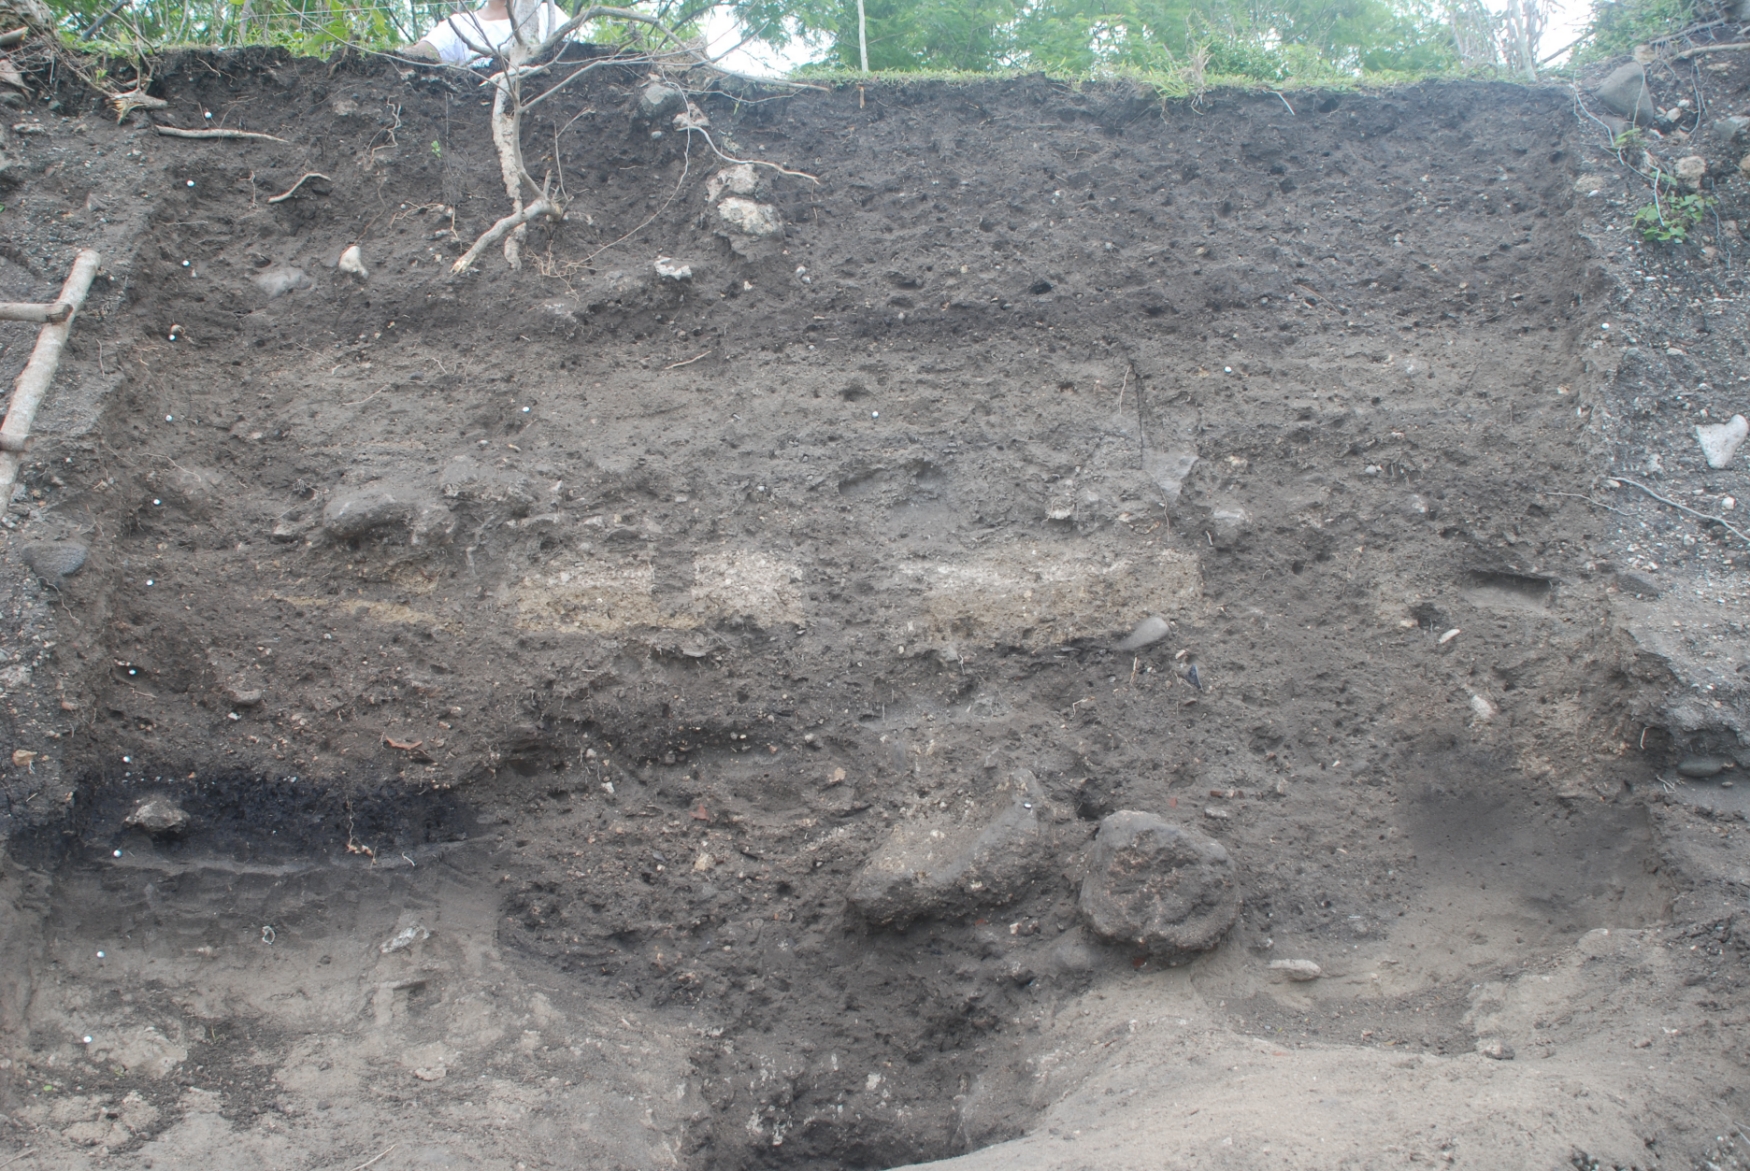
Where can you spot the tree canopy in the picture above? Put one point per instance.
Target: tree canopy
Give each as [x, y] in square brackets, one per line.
[1269, 41]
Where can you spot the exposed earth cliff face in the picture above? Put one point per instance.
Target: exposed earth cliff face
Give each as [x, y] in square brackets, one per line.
[655, 707]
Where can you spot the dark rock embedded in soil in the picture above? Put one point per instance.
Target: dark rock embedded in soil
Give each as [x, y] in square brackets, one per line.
[1159, 886]
[956, 864]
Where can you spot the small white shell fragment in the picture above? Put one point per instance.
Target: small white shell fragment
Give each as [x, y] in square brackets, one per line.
[352, 261]
[1719, 441]
[1482, 707]
[1297, 970]
[406, 937]
[1449, 636]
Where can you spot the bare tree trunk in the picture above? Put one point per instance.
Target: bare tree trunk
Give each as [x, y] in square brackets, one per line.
[863, 35]
[507, 115]
[507, 125]
[1521, 38]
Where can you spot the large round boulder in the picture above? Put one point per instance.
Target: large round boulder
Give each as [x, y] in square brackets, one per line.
[1158, 886]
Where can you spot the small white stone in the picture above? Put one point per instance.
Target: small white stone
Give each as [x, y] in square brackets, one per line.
[352, 261]
[1720, 441]
[740, 179]
[753, 219]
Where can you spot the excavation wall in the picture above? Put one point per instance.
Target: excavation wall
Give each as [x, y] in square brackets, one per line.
[572, 679]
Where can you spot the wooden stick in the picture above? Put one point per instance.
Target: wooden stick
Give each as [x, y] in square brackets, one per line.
[288, 192]
[25, 311]
[135, 100]
[534, 211]
[33, 381]
[15, 37]
[1693, 50]
[178, 132]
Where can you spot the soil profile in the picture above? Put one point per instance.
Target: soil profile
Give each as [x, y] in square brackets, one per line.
[655, 707]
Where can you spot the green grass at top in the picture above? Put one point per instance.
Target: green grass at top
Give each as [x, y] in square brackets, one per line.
[1173, 85]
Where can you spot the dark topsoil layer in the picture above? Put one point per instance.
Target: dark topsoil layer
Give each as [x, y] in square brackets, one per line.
[666, 621]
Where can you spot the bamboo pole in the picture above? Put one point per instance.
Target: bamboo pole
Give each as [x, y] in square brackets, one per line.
[33, 382]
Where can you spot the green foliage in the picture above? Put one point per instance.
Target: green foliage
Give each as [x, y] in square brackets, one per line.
[1672, 221]
[1619, 25]
[306, 27]
[1267, 41]
[1187, 44]
[303, 26]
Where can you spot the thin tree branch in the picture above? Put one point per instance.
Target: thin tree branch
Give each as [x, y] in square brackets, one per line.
[96, 26]
[596, 64]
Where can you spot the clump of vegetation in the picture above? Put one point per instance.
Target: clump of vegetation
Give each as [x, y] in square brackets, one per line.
[1672, 221]
[1617, 26]
[1631, 139]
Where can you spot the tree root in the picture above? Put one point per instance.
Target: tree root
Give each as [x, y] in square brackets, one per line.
[178, 132]
[1711, 519]
[541, 207]
[523, 60]
[290, 191]
[135, 100]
